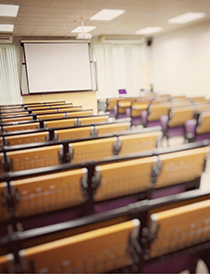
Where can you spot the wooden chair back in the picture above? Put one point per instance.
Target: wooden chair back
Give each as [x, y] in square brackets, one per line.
[22, 139]
[157, 110]
[137, 108]
[180, 227]
[93, 120]
[5, 114]
[3, 206]
[97, 251]
[17, 119]
[111, 102]
[112, 128]
[52, 116]
[203, 123]
[133, 143]
[123, 178]
[28, 126]
[79, 113]
[74, 133]
[91, 150]
[182, 166]
[49, 192]
[122, 105]
[178, 116]
[61, 123]
[7, 263]
[34, 158]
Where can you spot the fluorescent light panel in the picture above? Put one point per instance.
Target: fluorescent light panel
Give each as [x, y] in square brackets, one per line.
[6, 27]
[149, 30]
[85, 29]
[186, 17]
[9, 10]
[107, 14]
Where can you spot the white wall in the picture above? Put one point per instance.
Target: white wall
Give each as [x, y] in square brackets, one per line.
[181, 61]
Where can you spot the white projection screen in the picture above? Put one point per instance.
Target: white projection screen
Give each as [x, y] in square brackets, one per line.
[57, 67]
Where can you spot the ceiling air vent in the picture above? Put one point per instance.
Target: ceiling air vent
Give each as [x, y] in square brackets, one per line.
[120, 39]
[6, 39]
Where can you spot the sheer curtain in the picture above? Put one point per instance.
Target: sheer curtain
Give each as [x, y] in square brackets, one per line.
[118, 67]
[10, 74]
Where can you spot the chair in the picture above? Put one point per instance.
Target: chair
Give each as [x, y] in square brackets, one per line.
[202, 131]
[73, 133]
[39, 137]
[93, 120]
[5, 114]
[123, 178]
[110, 103]
[51, 116]
[17, 119]
[155, 111]
[97, 251]
[7, 263]
[179, 168]
[35, 158]
[1, 163]
[3, 206]
[49, 192]
[26, 126]
[61, 123]
[79, 113]
[112, 128]
[135, 112]
[120, 108]
[179, 228]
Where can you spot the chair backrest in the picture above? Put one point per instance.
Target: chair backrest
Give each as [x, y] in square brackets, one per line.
[61, 123]
[52, 116]
[92, 149]
[21, 139]
[157, 110]
[178, 116]
[7, 263]
[122, 105]
[97, 251]
[202, 107]
[3, 206]
[112, 128]
[123, 178]
[14, 113]
[198, 99]
[132, 143]
[182, 166]
[17, 119]
[203, 123]
[137, 108]
[111, 102]
[55, 110]
[73, 133]
[79, 113]
[35, 158]
[93, 120]
[179, 228]
[49, 192]
[26, 126]
[177, 98]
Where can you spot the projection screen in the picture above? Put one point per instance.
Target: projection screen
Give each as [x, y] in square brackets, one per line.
[55, 67]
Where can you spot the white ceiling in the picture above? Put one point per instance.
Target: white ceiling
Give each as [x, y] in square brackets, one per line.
[59, 17]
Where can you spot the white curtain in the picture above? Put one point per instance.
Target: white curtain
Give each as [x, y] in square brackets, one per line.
[10, 74]
[118, 67]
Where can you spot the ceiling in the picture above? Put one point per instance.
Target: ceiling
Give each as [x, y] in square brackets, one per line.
[59, 17]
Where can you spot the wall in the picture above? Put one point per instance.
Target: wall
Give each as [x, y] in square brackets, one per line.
[85, 99]
[181, 61]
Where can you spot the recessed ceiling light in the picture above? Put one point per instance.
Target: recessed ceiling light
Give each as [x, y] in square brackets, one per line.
[186, 17]
[6, 27]
[9, 10]
[85, 29]
[149, 30]
[107, 14]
